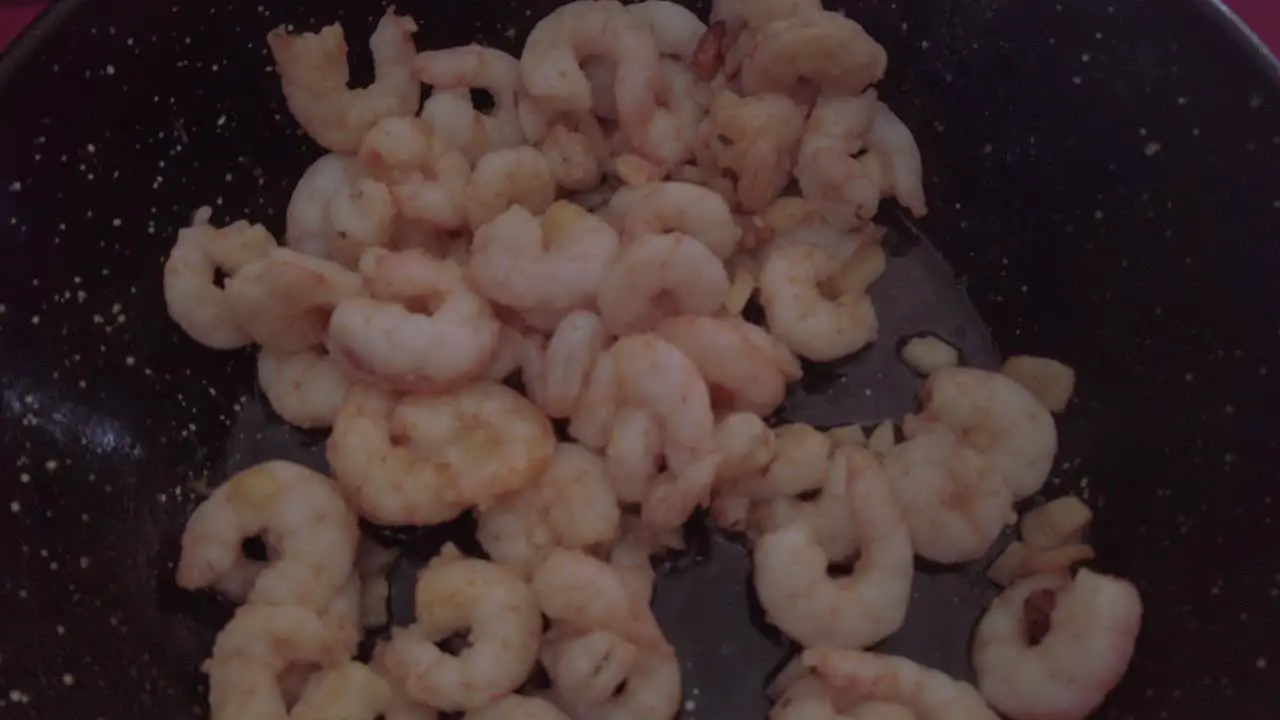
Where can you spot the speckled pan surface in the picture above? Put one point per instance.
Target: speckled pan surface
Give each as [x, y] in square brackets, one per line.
[1102, 178]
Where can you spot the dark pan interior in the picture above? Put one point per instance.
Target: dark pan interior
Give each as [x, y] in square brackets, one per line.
[1103, 181]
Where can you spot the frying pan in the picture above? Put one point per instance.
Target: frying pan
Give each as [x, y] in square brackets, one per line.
[1103, 191]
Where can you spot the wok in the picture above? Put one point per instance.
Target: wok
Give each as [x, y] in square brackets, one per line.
[1103, 189]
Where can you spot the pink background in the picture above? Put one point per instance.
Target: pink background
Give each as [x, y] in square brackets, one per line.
[1262, 15]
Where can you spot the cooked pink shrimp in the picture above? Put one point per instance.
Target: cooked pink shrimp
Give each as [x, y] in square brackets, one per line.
[655, 276]
[894, 147]
[304, 388]
[745, 444]
[475, 66]
[498, 612]
[582, 592]
[506, 178]
[314, 75]
[682, 207]
[671, 135]
[550, 63]
[444, 337]
[802, 317]
[1000, 419]
[674, 496]
[427, 178]
[653, 374]
[570, 504]
[573, 143]
[676, 29]
[756, 138]
[284, 300]
[350, 691]
[825, 48]
[634, 453]
[930, 694]
[740, 374]
[587, 667]
[571, 352]
[424, 459]
[827, 516]
[310, 532]
[844, 188]
[954, 502]
[192, 296]
[651, 691]
[1051, 648]
[251, 652]
[797, 465]
[553, 264]
[591, 421]
[801, 598]
[308, 220]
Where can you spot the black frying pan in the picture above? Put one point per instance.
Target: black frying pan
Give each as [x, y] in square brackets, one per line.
[1103, 182]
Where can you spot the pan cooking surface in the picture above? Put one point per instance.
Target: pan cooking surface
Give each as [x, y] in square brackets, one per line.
[1103, 181]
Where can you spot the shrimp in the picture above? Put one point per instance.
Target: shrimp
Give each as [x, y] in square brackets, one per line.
[629, 556]
[651, 691]
[400, 705]
[676, 29]
[423, 459]
[425, 327]
[899, 166]
[587, 667]
[259, 644]
[348, 692]
[745, 444]
[656, 276]
[573, 143]
[557, 376]
[308, 219]
[671, 135]
[191, 293]
[825, 48]
[654, 375]
[683, 207]
[571, 504]
[754, 137]
[427, 177]
[930, 694]
[476, 66]
[554, 264]
[797, 465]
[284, 299]
[740, 374]
[809, 698]
[584, 593]
[675, 496]
[506, 178]
[549, 65]
[827, 516]
[455, 121]
[591, 421]
[304, 388]
[314, 74]
[498, 612]
[310, 535]
[1051, 648]
[802, 317]
[516, 707]
[954, 503]
[799, 596]
[1000, 419]
[845, 188]
[633, 453]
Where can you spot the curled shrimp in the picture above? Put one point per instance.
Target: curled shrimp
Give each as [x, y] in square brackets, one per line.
[827, 516]
[256, 646]
[336, 211]
[556, 375]
[654, 375]
[314, 75]
[650, 691]
[799, 596]
[550, 63]
[421, 460]
[756, 138]
[633, 453]
[745, 444]
[844, 187]
[930, 694]
[506, 178]
[515, 707]
[1000, 419]
[802, 316]
[1051, 648]
[498, 612]
[573, 143]
[674, 496]
[310, 534]
[427, 178]
[955, 504]
[571, 505]
[797, 465]
[586, 667]
[191, 294]
[552, 264]
[350, 691]
[676, 29]
[743, 371]
[584, 593]
[591, 421]
[305, 388]
[655, 276]
[284, 300]
[425, 327]
[826, 48]
[681, 101]
[478, 67]
[682, 207]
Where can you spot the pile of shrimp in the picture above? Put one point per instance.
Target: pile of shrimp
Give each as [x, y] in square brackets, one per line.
[533, 313]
